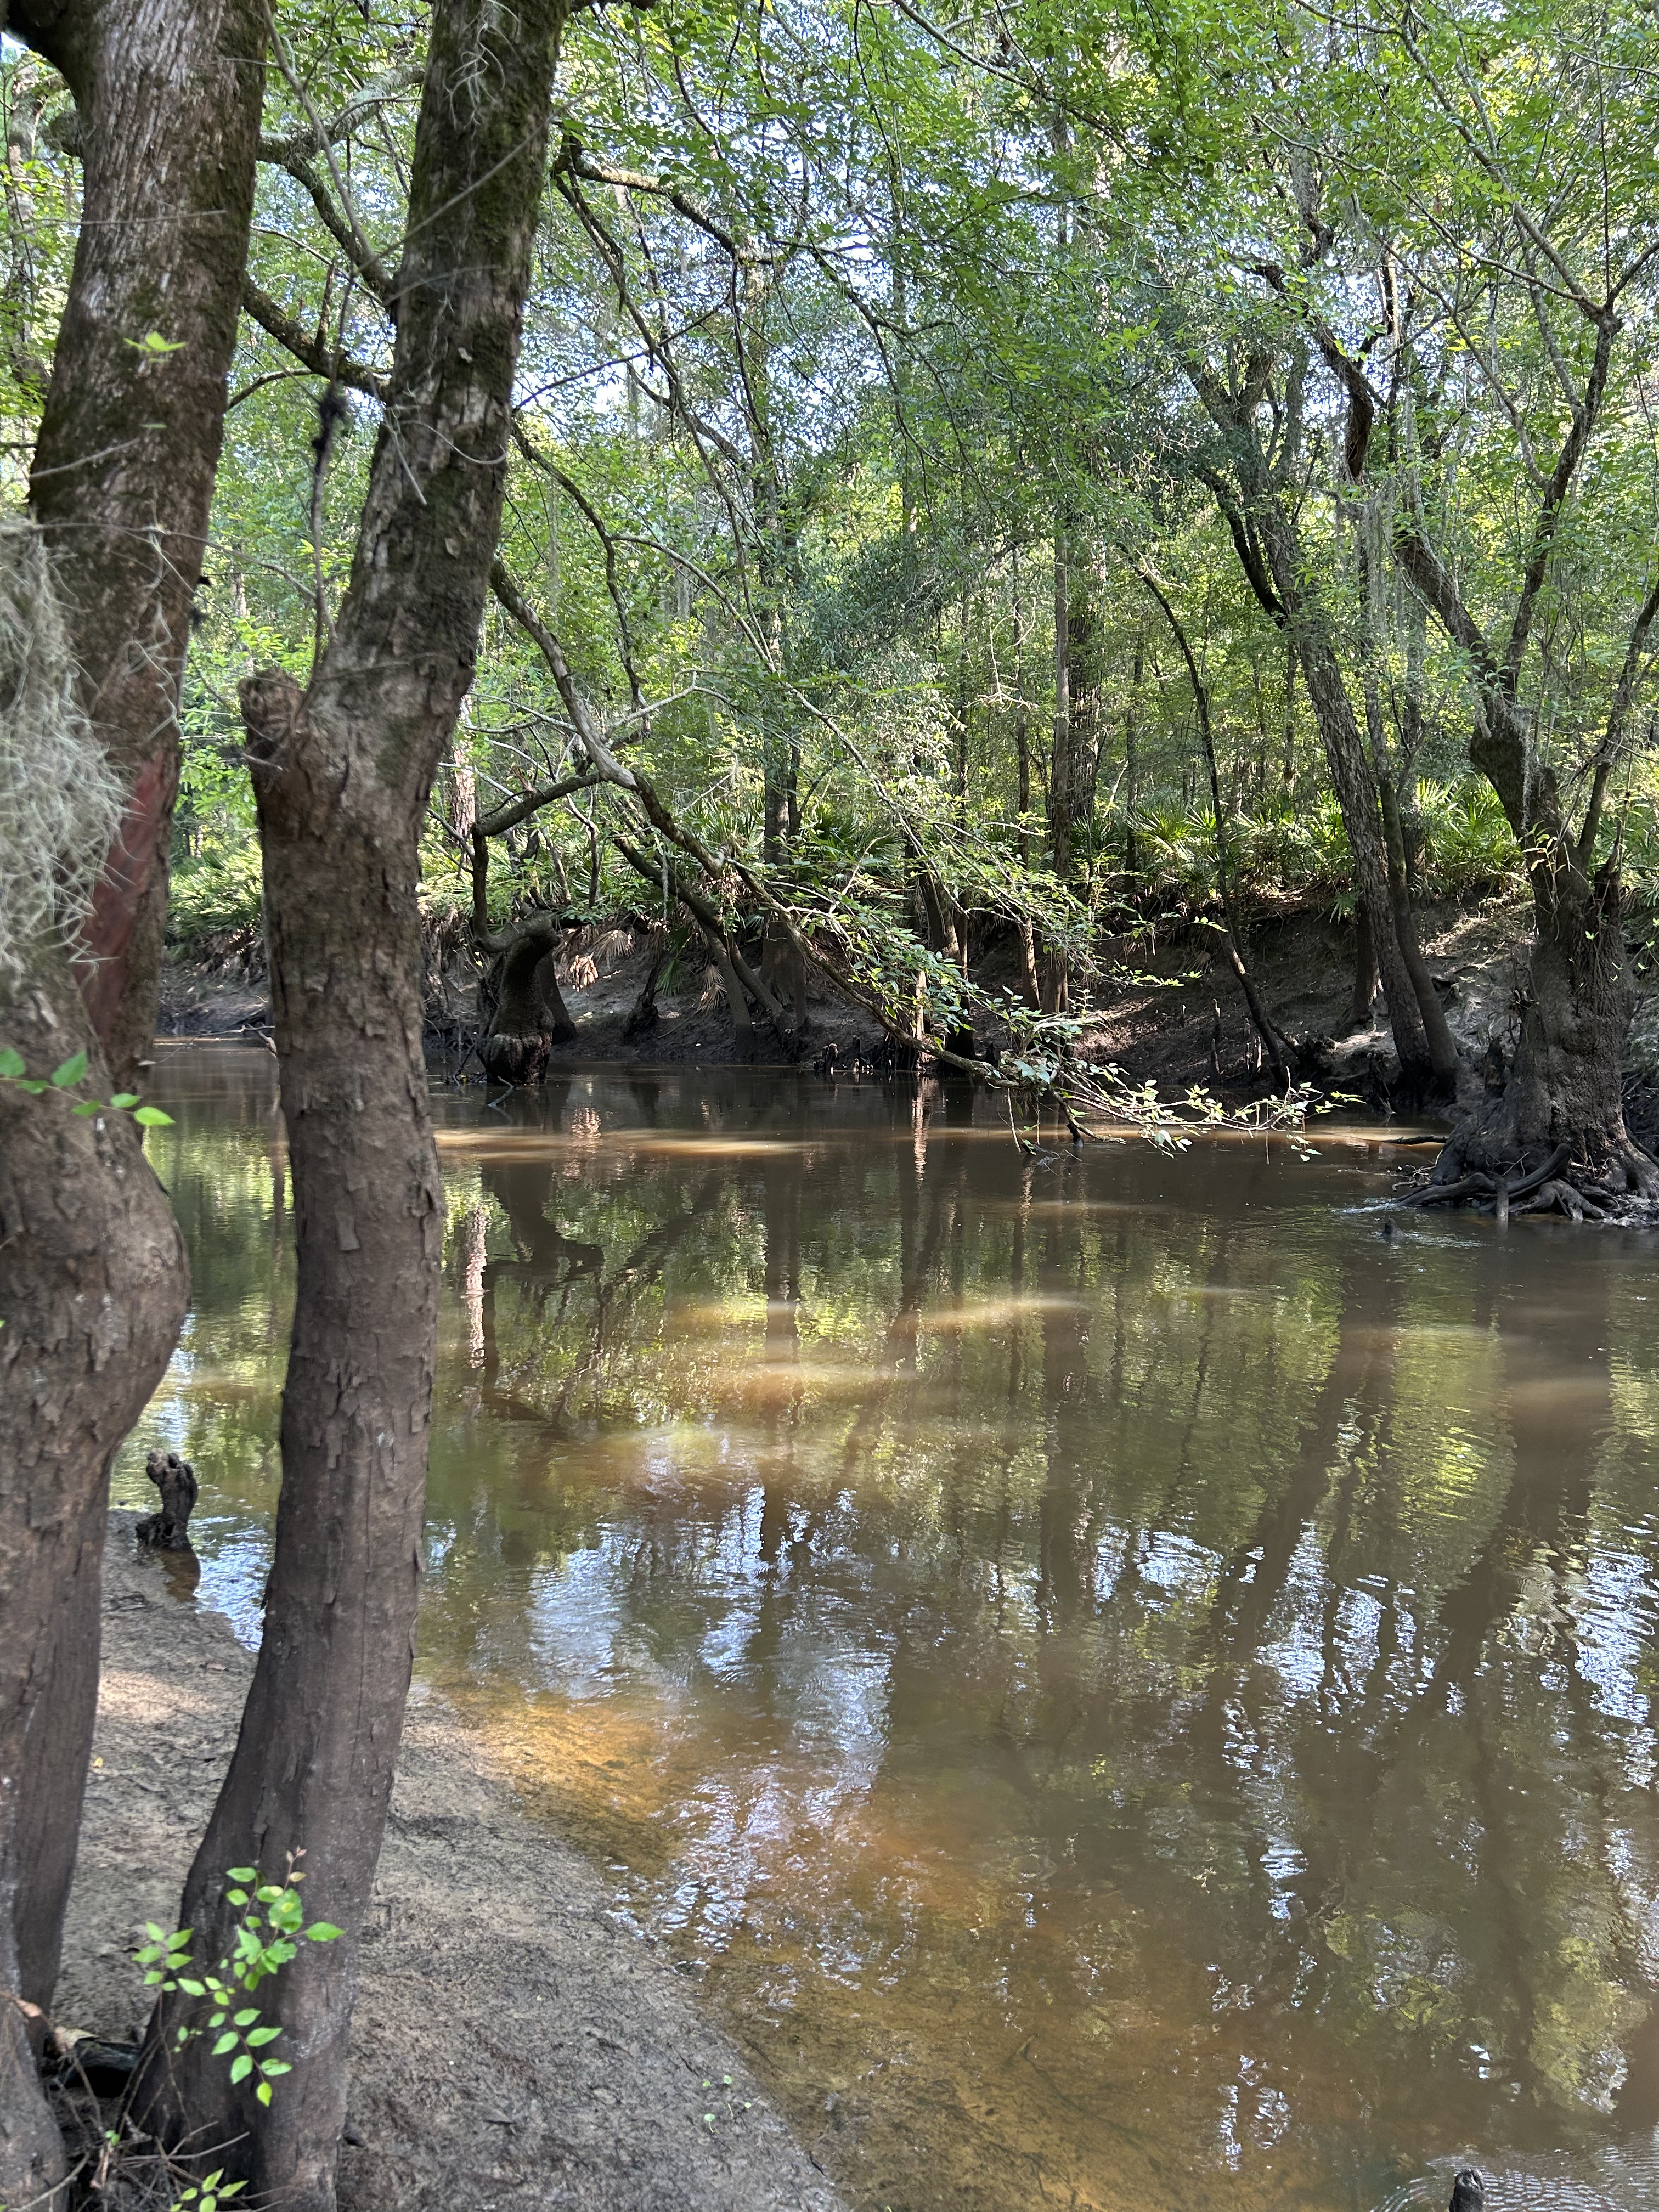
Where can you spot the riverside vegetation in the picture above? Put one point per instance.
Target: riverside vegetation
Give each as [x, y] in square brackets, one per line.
[883, 503]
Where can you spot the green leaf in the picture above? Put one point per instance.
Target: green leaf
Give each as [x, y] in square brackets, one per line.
[275, 2066]
[240, 2067]
[193, 1989]
[152, 1117]
[123, 1099]
[263, 2093]
[70, 1071]
[247, 2016]
[34, 1086]
[242, 1874]
[262, 2035]
[324, 1931]
[11, 1062]
[226, 2041]
[87, 1107]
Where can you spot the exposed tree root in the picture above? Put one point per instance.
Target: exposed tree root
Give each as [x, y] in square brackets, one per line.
[1612, 1178]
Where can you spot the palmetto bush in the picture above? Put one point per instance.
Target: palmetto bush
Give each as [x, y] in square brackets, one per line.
[1298, 851]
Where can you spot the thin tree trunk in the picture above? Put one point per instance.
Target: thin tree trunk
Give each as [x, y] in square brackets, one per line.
[1056, 991]
[1356, 791]
[1442, 1047]
[341, 776]
[1232, 934]
[1287, 773]
[94, 1280]
[1059, 773]
[1131, 760]
[1028, 963]
[1364, 972]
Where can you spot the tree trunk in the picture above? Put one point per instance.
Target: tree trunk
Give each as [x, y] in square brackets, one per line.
[167, 101]
[1567, 1085]
[92, 1287]
[1131, 760]
[1364, 973]
[531, 1016]
[341, 776]
[1442, 1045]
[1027, 963]
[1356, 791]
[1273, 1043]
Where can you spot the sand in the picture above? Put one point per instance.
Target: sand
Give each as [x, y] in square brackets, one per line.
[512, 2046]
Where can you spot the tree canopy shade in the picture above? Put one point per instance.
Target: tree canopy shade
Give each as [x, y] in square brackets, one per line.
[899, 499]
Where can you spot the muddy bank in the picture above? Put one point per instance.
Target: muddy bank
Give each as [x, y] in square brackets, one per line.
[1170, 1010]
[512, 2046]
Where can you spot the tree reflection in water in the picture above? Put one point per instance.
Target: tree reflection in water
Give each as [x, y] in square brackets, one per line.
[1134, 1689]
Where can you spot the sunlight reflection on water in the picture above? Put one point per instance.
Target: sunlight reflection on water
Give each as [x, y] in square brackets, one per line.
[1127, 1689]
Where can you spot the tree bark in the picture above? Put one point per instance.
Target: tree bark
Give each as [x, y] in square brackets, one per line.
[1274, 1042]
[341, 776]
[93, 1288]
[1355, 787]
[1364, 973]
[1437, 1030]
[1566, 1082]
[167, 101]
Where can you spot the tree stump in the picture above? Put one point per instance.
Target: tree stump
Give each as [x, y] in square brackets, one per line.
[175, 1478]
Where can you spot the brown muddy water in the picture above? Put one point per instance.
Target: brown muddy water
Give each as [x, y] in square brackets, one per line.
[1124, 1687]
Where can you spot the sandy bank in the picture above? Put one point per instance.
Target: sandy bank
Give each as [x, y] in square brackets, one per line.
[512, 2046]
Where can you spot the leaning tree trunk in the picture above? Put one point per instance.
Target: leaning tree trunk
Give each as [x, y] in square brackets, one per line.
[341, 774]
[92, 1272]
[1356, 794]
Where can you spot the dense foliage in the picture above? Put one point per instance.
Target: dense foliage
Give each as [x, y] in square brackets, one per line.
[897, 407]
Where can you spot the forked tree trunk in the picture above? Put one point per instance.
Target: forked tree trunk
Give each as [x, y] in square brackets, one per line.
[341, 776]
[92, 1277]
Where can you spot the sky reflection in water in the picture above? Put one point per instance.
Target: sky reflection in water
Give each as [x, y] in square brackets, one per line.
[1126, 1689]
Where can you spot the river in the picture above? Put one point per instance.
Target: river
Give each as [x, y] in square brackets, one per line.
[1125, 1685]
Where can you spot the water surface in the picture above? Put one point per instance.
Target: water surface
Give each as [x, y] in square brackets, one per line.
[1125, 1688]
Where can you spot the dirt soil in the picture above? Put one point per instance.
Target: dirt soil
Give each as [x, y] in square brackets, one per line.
[1170, 1010]
[512, 2046]
[1162, 1021]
